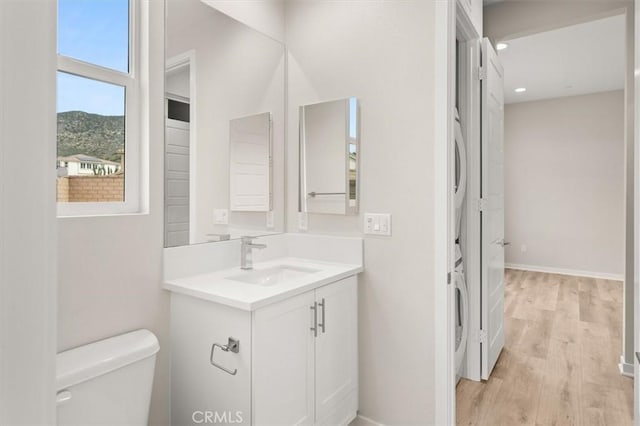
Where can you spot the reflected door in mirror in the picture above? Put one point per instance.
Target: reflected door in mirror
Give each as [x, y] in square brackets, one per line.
[250, 163]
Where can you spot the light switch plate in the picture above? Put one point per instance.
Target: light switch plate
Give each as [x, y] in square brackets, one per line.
[303, 221]
[221, 216]
[377, 224]
[270, 220]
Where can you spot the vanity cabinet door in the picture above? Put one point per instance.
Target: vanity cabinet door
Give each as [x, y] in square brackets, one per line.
[283, 363]
[337, 352]
[199, 390]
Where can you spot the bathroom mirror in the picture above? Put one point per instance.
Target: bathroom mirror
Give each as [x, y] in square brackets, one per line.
[329, 151]
[224, 140]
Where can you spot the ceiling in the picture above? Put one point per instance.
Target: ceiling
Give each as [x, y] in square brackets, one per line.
[576, 60]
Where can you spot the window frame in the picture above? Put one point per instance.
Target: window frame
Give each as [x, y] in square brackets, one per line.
[132, 117]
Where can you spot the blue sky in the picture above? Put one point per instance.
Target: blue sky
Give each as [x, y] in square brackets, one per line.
[353, 117]
[95, 31]
[353, 121]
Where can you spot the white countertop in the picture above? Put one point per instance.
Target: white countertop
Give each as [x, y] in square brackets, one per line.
[216, 287]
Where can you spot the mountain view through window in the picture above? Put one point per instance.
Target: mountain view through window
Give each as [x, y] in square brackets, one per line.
[91, 137]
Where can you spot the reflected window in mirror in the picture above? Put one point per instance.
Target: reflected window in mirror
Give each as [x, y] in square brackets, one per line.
[178, 110]
[329, 157]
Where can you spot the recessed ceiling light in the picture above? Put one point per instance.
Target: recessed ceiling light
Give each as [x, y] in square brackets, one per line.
[521, 89]
[502, 46]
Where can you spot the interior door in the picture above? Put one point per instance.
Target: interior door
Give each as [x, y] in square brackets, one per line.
[336, 346]
[177, 183]
[492, 209]
[250, 163]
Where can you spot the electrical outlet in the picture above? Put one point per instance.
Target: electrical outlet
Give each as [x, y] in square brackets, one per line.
[221, 216]
[377, 224]
[303, 221]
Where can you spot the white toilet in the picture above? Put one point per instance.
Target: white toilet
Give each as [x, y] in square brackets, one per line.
[107, 382]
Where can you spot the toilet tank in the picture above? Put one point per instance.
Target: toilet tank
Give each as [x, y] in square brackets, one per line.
[107, 382]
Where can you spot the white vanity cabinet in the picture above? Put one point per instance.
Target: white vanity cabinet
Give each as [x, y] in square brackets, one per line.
[336, 353]
[296, 364]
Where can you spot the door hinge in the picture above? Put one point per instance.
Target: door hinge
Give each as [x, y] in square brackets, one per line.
[481, 204]
[448, 278]
[482, 73]
[482, 336]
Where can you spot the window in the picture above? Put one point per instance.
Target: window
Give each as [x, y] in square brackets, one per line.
[97, 107]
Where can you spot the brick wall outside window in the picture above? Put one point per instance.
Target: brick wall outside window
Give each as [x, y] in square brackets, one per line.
[91, 188]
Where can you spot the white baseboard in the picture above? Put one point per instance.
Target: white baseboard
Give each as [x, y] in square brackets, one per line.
[364, 421]
[561, 271]
[625, 368]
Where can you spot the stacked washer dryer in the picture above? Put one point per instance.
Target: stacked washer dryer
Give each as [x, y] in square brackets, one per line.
[461, 293]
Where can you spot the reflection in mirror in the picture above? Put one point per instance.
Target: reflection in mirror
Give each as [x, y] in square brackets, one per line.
[224, 140]
[329, 149]
[250, 163]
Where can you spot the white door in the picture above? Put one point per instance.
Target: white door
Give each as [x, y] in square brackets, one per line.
[250, 163]
[177, 183]
[492, 209]
[283, 363]
[336, 346]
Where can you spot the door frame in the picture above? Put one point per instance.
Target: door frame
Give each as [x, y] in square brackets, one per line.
[444, 94]
[469, 91]
[443, 303]
[636, 216]
[450, 19]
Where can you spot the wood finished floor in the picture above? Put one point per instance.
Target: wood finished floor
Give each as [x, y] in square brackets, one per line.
[559, 365]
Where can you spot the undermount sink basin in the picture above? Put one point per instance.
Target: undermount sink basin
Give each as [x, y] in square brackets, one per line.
[271, 276]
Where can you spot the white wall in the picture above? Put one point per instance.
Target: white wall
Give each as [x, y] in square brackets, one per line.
[564, 183]
[177, 82]
[239, 72]
[266, 16]
[382, 53]
[27, 213]
[110, 268]
[510, 19]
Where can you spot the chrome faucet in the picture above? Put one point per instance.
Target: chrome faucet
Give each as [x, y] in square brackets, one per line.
[246, 255]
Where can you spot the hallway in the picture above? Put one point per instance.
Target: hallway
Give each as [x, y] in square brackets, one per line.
[559, 365]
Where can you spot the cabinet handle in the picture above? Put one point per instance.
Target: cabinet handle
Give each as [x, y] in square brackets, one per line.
[323, 320]
[314, 308]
